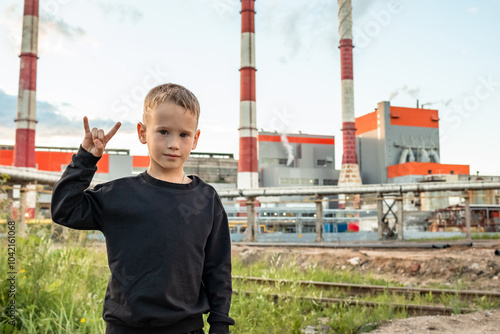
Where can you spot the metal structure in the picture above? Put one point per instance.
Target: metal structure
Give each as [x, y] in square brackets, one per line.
[24, 153]
[349, 172]
[248, 158]
[382, 191]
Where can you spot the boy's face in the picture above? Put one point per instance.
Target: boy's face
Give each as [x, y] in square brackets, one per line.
[170, 133]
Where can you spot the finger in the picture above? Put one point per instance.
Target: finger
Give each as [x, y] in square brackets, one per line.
[112, 132]
[99, 147]
[94, 133]
[86, 124]
[100, 135]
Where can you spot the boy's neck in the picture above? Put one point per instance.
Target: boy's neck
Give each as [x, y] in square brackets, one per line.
[172, 177]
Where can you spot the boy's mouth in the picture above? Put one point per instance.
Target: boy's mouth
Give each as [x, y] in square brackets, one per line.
[172, 155]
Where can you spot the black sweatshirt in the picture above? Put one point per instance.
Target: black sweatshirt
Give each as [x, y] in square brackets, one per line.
[168, 248]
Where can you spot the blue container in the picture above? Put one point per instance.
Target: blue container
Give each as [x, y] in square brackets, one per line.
[341, 227]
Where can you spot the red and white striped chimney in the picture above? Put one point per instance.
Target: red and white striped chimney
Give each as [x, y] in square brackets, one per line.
[24, 150]
[349, 172]
[248, 160]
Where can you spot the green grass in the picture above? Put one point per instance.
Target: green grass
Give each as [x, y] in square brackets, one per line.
[58, 290]
[276, 268]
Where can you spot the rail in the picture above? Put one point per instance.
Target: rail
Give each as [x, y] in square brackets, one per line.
[360, 290]
[366, 289]
[411, 309]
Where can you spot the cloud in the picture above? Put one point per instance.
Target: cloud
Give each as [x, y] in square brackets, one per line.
[54, 33]
[300, 27]
[123, 12]
[51, 119]
[305, 26]
[12, 22]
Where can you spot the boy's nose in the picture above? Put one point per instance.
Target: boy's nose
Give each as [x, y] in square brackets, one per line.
[173, 143]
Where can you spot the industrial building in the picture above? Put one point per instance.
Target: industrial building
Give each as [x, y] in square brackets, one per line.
[400, 145]
[290, 160]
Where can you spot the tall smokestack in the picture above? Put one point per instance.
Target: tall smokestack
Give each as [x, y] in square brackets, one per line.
[248, 160]
[24, 151]
[349, 172]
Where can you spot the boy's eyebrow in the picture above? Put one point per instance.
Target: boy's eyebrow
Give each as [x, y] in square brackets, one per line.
[166, 127]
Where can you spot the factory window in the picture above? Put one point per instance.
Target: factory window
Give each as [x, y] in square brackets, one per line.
[452, 172]
[311, 182]
[429, 171]
[284, 162]
[277, 161]
[323, 162]
[329, 182]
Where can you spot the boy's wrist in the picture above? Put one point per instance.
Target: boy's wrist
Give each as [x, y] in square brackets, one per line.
[86, 158]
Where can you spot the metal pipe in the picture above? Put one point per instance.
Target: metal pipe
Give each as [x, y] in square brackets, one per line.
[363, 189]
[21, 175]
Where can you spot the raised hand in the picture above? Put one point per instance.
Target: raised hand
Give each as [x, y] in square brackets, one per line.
[95, 140]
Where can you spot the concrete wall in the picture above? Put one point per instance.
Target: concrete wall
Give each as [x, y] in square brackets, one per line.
[119, 166]
[213, 170]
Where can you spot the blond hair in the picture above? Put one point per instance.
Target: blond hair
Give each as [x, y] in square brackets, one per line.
[173, 93]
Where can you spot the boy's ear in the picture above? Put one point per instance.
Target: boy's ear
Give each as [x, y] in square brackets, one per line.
[141, 132]
[195, 141]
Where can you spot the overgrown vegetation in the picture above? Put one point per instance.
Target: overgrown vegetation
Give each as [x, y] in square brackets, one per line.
[58, 289]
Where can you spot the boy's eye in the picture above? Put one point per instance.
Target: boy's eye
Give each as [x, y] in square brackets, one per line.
[184, 135]
[163, 132]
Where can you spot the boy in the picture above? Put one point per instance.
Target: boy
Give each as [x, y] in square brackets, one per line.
[167, 234]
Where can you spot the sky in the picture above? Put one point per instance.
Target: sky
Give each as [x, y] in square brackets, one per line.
[99, 58]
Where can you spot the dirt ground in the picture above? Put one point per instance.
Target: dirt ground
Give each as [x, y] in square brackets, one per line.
[473, 268]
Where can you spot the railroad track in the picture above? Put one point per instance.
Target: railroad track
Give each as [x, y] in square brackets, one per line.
[411, 309]
[356, 290]
[370, 290]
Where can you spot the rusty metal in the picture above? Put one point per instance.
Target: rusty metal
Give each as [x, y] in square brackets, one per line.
[411, 309]
[364, 290]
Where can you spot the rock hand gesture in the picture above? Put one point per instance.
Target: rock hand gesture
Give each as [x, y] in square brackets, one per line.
[95, 140]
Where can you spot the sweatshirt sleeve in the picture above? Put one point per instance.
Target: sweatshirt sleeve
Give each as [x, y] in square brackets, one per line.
[72, 204]
[217, 273]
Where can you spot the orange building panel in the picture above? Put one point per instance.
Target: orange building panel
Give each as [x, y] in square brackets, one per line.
[298, 140]
[140, 161]
[6, 157]
[366, 123]
[426, 168]
[427, 118]
[52, 161]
